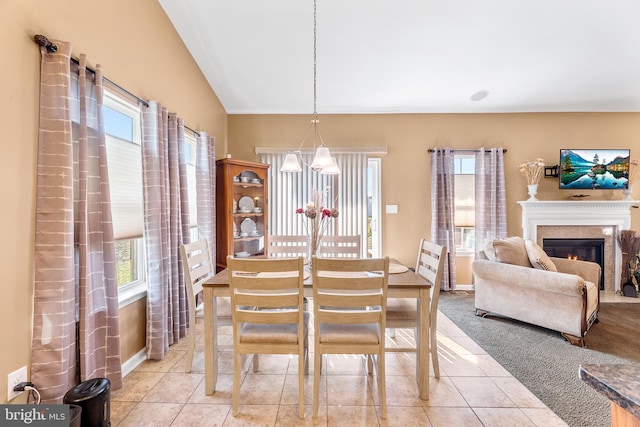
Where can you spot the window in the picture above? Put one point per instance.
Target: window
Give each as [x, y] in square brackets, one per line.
[347, 193]
[124, 159]
[190, 156]
[464, 203]
[374, 244]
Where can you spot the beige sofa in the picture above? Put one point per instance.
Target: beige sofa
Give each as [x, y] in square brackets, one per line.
[519, 281]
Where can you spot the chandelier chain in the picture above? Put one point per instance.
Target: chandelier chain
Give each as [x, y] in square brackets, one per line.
[315, 72]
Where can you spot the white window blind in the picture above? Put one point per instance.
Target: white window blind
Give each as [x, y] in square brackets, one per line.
[464, 203]
[124, 160]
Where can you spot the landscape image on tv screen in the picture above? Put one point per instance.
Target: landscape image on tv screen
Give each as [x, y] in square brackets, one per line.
[605, 169]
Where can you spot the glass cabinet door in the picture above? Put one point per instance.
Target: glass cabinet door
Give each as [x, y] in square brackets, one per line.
[248, 214]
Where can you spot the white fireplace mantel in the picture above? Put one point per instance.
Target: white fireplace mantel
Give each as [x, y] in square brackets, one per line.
[605, 213]
[568, 212]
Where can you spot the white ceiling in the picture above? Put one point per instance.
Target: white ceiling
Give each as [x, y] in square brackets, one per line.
[415, 56]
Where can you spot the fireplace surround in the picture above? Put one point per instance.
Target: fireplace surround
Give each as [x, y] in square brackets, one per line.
[581, 219]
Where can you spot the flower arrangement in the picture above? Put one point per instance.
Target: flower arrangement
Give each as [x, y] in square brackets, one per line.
[319, 216]
[532, 171]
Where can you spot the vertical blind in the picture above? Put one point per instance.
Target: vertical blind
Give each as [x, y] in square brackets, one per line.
[347, 192]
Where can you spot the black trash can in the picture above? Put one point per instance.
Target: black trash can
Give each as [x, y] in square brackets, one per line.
[93, 397]
[75, 414]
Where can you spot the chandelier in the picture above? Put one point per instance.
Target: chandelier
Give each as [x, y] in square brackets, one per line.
[322, 160]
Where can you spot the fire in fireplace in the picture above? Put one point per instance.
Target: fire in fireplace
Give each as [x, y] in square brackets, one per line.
[584, 249]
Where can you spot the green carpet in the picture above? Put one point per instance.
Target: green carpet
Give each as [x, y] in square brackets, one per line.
[545, 362]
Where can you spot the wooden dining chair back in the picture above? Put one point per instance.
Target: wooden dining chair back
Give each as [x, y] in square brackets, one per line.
[403, 312]
[349, 302]
[198, 267]
[288, 246]
[268, 314]
[341, 246]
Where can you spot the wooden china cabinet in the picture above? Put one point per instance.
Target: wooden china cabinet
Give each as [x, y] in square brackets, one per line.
[242, 209]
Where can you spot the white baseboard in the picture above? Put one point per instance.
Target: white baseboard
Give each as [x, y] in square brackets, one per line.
[464, 287]
[134, 361]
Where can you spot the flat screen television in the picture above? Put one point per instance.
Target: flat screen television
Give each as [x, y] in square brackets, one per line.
[605, 169]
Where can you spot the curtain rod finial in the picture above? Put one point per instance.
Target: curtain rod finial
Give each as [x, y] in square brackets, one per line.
[44, 42]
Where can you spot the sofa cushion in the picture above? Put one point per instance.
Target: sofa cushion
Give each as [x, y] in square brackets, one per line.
[510, 250]
[538, 257]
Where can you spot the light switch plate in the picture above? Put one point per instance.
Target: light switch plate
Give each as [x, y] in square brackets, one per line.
[392, 209]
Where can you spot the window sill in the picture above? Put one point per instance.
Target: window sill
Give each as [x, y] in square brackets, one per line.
[465, 252]
[131, 293]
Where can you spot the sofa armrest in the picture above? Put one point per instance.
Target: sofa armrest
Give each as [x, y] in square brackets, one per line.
[532, 278]
[589, 271]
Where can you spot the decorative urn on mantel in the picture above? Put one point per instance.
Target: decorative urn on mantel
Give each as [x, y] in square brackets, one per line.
[532, 171]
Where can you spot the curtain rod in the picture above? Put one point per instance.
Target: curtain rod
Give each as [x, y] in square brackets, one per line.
[52, 48]
[432, 150]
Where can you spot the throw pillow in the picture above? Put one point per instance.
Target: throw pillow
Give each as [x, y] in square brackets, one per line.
[538, 258]
[510, 250]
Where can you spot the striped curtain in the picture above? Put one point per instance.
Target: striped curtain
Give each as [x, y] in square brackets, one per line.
[442, 211]
[75, 272]
[346, 191]
[166, 226]
[490, 196]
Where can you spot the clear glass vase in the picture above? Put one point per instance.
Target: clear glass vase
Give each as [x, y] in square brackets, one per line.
[314, 246]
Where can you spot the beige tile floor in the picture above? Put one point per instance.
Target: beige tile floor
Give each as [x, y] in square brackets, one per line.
[473, 390]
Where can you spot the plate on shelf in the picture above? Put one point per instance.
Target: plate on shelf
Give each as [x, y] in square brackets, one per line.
[246, 203]
[235, 205]
[247, 226]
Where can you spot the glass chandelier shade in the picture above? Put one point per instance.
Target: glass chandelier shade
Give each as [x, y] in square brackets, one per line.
[322, 158]
[291, 164]
[332, 169]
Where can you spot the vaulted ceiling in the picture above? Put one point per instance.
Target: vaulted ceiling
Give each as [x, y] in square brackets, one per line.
[415, 56]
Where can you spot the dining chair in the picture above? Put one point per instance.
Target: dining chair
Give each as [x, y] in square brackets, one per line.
[288, 246]
[197, 267]
[341, 246]
[276, 322]
[349, 303]
[403, 312]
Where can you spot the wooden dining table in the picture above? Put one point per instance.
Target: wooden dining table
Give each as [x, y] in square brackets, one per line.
[401, 285]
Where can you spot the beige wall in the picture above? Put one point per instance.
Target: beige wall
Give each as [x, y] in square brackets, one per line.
[405, 169]
[133, 328]
[138, 49]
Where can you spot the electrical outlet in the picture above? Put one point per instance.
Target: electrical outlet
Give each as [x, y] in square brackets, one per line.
[13, 379]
